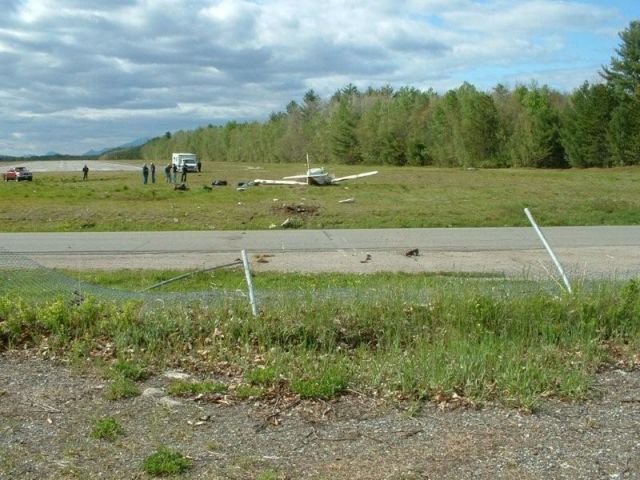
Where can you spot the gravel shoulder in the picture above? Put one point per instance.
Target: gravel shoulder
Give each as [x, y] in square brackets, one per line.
[47, 410]
[579, 263]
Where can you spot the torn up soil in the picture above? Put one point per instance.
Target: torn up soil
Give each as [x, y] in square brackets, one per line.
[47, 412]
[303, 210]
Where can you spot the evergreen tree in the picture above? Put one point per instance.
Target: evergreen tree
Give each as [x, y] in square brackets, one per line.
[464, 129]
[345, 147]
[535, 141]
[586, 124]
[478, 138]
[624, 72]
[624, 132]
[368, 128]
[443, 131]
[623, 77]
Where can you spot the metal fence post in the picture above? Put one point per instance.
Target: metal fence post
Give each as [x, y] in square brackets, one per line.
[549, 250]
[247, 274]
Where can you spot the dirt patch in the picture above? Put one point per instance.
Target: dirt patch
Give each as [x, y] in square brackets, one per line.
[47, 411]
[301, 211]
[296, 216]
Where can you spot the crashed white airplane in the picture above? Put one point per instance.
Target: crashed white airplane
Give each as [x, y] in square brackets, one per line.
[314, 176]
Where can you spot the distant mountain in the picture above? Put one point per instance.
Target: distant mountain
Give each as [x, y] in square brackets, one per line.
[95, 153]
[134, 143]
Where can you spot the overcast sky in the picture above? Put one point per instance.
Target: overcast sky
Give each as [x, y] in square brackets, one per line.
[82, 74]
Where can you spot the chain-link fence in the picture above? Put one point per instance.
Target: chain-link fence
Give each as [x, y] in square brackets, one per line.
[24, 277]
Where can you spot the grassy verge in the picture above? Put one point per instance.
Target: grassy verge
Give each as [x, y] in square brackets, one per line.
[480, 340]
[230, 279]
[396, 197]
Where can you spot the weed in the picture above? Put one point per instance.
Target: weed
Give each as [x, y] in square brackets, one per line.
[131, 370]
[187, 388]
[213, 446]
[107, 428]
[245, 391]
[269, 475]
[121, 388]
[322, 382]
[262, 376]
[165, 462]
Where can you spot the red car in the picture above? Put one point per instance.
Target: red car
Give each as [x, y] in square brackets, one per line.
[17, 173]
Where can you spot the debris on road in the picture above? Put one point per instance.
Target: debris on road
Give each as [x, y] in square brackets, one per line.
[367, 259]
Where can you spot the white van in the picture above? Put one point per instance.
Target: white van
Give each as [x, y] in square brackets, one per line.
[188, 159]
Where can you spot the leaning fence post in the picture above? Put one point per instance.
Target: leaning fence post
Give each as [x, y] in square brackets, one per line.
[247, 274]
[549, 250]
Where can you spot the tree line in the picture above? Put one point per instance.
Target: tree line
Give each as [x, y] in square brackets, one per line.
[596, 125]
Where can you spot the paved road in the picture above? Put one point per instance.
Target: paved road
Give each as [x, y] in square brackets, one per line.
[585, 251]
[426, 239]
[73, 165]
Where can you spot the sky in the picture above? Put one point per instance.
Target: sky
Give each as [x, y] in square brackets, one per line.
[77, 75]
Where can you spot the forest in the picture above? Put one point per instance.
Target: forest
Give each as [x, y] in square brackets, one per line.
[534, 126]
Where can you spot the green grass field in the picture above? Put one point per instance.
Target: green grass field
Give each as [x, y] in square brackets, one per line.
[396, 197]
[477, 339]
[413, 337]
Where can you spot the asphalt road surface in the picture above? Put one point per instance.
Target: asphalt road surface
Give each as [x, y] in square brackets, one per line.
[73, 165]
[583, 251]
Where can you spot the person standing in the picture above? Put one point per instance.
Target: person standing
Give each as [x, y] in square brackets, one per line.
[167, 173]
[145, 173]
[199, 166]
[153, 172]
[183, 178]
[174, 170]
[85, 172]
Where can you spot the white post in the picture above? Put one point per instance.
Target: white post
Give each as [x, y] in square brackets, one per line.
[549, 250]
[247, 275]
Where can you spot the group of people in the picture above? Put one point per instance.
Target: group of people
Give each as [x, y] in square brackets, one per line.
[145, 173]
[170, 171]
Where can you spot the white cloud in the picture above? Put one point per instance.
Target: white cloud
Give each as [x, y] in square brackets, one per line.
[160, 64]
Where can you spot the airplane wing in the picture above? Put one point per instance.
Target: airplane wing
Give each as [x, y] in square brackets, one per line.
[259, 181]
[294, 177]
[353, 177]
